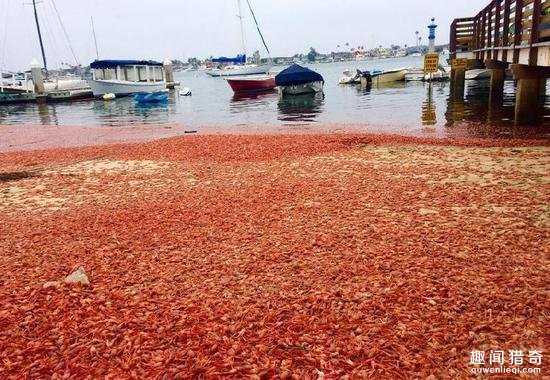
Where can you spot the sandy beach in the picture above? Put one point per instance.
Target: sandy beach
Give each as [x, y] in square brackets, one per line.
[256, 256]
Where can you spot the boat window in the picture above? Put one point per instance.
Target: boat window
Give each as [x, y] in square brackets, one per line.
[130, 74]
[156, 74]
[99, 74]
[142, 73]
[109, 74]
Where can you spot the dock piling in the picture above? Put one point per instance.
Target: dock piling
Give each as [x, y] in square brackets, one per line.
[37, 77]
[498, 74]
[458, 79]
[531, 85]
[169, 73]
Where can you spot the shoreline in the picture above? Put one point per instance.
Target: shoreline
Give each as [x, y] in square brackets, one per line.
[17, 138]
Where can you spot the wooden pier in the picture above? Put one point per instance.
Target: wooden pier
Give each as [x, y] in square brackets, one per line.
[506, 35]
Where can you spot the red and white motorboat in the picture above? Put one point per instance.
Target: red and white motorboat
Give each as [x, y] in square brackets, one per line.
[259, 83]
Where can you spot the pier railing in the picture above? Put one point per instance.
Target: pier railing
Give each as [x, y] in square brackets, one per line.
[513, 31]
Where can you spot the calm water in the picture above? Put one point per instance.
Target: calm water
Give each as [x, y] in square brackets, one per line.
[412, 108]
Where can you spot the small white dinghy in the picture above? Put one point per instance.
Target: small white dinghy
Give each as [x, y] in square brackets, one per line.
[186, 91]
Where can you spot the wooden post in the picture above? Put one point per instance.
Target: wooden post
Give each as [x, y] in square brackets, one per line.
[168, 72]
[537, 13]
[483, 35]
[497, 37]
[527, 100]
[531, 80]
[458, 81]
[496, 93]
[37, 77]
[489, 53]
[506, 29]
[498, 72]
[453, 44]
[518, 23]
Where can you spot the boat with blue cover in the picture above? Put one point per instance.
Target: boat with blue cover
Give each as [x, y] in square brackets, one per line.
[296, 80]
[126, 77]
[151, 97]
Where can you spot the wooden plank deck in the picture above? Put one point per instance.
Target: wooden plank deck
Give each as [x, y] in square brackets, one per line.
[509, 31]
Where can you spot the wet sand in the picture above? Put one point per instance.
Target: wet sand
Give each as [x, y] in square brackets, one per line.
[304, 255]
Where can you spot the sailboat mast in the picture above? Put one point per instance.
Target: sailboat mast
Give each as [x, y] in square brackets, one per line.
[39, 35]
[95, 38]
[243, 41]
[258, 27]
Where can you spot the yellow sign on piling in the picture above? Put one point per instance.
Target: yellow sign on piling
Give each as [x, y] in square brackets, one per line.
[459, 63]
[431, 63]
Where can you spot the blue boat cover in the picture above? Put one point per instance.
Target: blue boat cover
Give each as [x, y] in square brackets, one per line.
[296, 75]
[113, 63]
[238, 60]
[151, 97]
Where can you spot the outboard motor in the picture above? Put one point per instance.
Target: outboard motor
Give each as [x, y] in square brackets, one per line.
[366, 78]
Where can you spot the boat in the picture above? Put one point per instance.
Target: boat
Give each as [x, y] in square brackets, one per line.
[349, 78]
[232, 71]
[296, 80]
[52, 85]
[477, 74]
[126, 77]
[238, 66]
[415, 75]
[74, 94]
[418, 75]
[151, 97]
[381, 77]
[261, 83]
[356, 79]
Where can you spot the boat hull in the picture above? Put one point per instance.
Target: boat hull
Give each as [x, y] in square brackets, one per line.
[248, 85]
[388, 77]
[240, 70]
[299, 89]
[70, 95]
[122, 88]
[477, 74]
[416, 75]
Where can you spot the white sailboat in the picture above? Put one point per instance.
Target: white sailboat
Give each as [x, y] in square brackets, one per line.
[55, 87]
[238, 66]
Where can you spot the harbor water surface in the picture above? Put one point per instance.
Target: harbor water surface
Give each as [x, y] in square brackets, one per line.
[410, 108]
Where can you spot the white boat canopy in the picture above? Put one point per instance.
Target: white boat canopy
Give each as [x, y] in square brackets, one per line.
[128, 71]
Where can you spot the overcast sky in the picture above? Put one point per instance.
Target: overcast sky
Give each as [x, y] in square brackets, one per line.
[187, 28]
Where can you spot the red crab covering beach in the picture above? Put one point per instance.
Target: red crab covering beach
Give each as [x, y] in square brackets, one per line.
[272, 256]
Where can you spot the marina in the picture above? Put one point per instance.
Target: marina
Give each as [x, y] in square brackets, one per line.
[412, 108]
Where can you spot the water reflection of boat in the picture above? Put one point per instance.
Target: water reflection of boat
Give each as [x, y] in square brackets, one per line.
[302, 108]
[247, 96]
